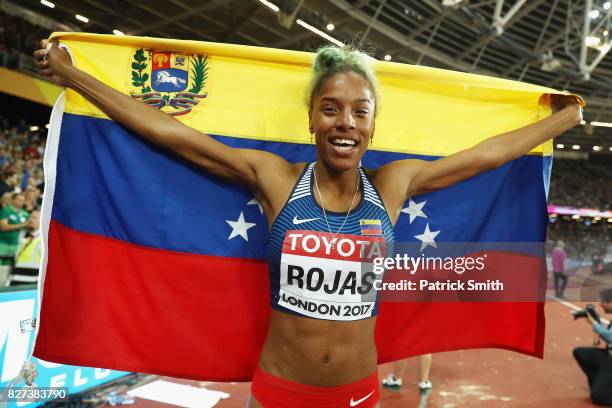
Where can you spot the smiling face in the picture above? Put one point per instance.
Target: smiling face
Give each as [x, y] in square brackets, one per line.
[342, 119]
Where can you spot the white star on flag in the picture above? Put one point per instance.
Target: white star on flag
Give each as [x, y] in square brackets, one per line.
[414, 210]
[254, 201]
[427, 238]
[240, 227]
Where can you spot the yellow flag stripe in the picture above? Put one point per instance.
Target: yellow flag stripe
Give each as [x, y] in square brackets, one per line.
[259, 93]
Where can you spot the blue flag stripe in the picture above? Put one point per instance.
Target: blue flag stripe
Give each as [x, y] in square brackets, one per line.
[113, 184]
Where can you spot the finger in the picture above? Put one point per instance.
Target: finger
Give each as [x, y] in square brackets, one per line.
[43, 43]
[39, 54]
[48, 48]
[46, 72]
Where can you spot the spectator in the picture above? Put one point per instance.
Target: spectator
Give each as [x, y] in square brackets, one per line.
[597, 362]
[558, 267]
[8, 182]
[5, 200]
[13, 220]
[32, 194]
[27, 258]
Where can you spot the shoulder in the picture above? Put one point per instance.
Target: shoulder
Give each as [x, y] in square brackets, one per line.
[275, 183]
[392, 181]
[269, 163]
[395, 177]
[276, 168]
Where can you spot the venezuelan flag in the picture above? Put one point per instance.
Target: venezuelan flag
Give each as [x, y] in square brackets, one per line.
[155, 266]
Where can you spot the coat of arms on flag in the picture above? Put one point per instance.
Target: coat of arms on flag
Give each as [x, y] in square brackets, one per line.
[170, 81]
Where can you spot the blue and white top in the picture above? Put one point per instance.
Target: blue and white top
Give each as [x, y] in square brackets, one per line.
[325, 275]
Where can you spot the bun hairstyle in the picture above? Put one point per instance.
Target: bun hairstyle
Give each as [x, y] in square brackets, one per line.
[331, 60]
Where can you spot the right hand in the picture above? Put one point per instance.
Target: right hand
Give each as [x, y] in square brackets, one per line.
[54, 64]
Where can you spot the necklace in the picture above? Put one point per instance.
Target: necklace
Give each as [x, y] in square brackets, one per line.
[333, 240]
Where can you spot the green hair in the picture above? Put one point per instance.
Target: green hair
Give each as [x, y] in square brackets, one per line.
[331, 60]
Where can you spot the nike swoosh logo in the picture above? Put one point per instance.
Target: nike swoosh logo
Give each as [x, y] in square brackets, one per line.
[297, 221]
[359, 401]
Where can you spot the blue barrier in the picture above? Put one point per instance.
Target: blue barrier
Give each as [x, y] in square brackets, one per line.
[17, 309]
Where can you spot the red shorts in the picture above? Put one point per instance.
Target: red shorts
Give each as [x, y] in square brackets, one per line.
[275, 392]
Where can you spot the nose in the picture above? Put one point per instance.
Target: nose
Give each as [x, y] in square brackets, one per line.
[346, 121]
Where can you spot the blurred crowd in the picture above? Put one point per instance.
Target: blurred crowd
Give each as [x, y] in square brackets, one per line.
[17, 36]
[581, 240]
[581, 184]
[21, 185]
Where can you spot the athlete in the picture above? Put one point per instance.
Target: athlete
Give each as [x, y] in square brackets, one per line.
[316, 354]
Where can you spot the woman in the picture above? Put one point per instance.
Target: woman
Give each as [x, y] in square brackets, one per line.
[310, 358]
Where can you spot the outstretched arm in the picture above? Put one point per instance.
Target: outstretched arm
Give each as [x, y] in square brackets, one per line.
[411, 177]
[244, 166]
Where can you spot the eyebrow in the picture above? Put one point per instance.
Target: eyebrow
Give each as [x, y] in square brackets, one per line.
[333, 99]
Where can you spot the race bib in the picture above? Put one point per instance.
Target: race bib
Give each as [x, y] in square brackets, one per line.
[329, 278]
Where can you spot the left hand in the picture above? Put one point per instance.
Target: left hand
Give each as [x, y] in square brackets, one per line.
[561, 102]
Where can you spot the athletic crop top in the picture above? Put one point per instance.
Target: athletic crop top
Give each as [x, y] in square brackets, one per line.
[326, 276]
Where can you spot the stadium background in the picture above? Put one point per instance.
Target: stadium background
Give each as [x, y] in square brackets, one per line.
[562, 44]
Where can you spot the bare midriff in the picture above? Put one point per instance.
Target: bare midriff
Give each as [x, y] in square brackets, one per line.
[319, 352]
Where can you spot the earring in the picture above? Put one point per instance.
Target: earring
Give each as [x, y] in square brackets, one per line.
[311, 130]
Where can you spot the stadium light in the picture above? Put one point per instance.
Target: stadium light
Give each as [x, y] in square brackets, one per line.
[82, 18]
[33, 128]
[592, 41]
[560, 145]
[607, 5]
[330, 27]
[583, 122]
[597, 148]
[270, 5]
[47, 3]
[387, 57]
[575, 217]
[576, 147]
[594, 14]
[610, 148]
[118, 32]
[319, 32]
[603, 124]
[609, 219]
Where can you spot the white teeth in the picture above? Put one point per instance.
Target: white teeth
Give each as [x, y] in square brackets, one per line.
[350, 143]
